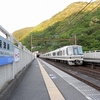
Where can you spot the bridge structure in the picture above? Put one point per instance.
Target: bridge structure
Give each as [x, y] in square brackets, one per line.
[13, 59]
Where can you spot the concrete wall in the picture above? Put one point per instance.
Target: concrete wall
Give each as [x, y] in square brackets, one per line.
[12, 73]
[8, 72]
[92, 54]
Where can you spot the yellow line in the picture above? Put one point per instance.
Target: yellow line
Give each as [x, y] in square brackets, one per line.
[53, 91]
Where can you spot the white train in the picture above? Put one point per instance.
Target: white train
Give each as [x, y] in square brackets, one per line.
[73, 54]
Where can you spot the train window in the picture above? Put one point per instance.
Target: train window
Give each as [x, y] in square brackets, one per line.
[78, 51]
[60, 53]
[49, 54]
[63, 52]
[75, 51]
[69, 51]
[57, 53]
[54, 54]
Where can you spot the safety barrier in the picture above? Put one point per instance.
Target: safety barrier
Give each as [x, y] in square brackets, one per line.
[92, 54]
[13, 58]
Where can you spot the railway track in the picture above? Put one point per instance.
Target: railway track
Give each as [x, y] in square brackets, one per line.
[89, 71]
[79, 72]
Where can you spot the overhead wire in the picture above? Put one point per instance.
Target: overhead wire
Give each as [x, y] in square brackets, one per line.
[80, 11]
[76, 15]
[90, 11]
[85, 15]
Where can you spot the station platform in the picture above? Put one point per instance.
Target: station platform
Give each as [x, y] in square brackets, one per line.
[43, 81]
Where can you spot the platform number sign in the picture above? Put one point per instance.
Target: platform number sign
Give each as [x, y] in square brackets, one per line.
[6, 51]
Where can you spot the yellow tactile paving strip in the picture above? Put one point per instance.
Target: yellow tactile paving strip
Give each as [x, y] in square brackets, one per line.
[53, 91]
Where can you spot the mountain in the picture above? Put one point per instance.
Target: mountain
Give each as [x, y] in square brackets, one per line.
[71, 21]
[22, 33]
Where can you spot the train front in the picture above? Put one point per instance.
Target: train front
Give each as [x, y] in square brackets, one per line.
[75, 54]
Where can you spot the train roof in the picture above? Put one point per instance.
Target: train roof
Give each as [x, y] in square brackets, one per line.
[61, 48]
[67, 46]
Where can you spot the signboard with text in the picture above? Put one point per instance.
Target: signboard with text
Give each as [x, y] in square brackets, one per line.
[16, 54]
[6, 51]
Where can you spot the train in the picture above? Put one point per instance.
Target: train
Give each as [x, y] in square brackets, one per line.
[72, 54]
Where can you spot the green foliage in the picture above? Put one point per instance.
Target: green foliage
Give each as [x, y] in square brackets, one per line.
[22, 33]
[63, 26]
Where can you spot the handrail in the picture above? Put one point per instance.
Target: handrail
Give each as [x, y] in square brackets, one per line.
[12, 39]
[4, 31]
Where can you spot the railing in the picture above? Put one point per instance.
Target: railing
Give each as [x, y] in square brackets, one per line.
[13, 58]
[92, 54]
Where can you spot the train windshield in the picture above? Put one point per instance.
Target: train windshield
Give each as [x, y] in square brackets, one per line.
[75, 51]
[80, 52]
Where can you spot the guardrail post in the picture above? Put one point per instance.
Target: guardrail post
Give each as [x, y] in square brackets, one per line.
[19, 45]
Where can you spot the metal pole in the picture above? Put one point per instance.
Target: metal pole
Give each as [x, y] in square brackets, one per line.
[31, 42]
[75, 39]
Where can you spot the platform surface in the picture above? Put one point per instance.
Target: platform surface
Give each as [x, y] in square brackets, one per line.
[45, 82]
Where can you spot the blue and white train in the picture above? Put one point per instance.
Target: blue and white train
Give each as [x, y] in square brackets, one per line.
[73, 54]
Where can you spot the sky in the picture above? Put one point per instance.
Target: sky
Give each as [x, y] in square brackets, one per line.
[17, 14]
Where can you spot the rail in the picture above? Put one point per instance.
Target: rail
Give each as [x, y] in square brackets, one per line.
[75, 72]
[10, 37]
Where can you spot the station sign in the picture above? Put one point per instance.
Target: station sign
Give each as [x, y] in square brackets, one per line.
[6, 51]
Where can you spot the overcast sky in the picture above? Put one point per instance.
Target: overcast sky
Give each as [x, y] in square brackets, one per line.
[17, 14]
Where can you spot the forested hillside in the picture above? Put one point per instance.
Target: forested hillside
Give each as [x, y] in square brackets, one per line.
[22, 33]
[85, 24]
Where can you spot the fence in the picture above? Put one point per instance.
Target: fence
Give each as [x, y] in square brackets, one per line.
[12, 58]
[92, 54]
